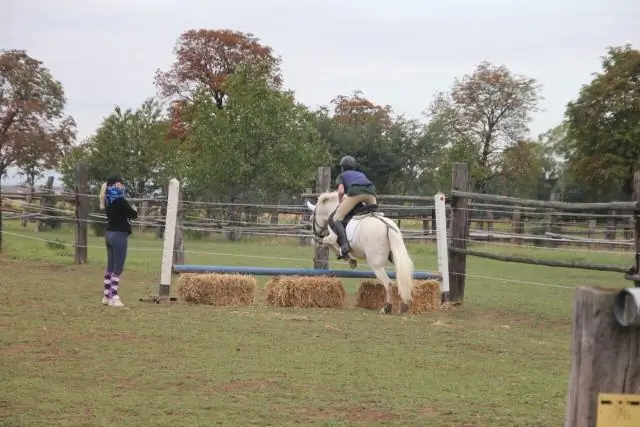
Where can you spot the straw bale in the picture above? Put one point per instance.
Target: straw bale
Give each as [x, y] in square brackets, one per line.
[217, 289]
[426, 296]
[301, 291]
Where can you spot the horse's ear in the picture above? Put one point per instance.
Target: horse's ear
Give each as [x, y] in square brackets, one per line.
[310, 206]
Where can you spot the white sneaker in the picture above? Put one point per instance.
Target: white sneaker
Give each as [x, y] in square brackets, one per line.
[115, 302]
[105, 300]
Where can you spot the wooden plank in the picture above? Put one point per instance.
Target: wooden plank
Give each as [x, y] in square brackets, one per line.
[605, 356]
[542, 262]
[623, 206]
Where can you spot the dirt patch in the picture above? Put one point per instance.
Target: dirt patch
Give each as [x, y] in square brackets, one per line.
[355, 414]
[429, 412]
[238, 385]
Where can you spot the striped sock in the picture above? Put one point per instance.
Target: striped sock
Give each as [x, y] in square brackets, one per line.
[115, 280]
[107, 284]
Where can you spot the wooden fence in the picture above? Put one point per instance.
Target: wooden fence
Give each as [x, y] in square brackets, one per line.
[461, 196]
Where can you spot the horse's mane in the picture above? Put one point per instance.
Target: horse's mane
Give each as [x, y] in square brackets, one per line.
[328, 197]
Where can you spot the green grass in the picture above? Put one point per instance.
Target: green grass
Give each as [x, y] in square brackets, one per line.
[500, 360]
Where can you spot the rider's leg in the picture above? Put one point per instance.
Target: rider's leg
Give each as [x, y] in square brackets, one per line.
[347, 204]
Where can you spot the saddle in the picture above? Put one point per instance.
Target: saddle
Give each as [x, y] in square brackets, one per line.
[359, 209]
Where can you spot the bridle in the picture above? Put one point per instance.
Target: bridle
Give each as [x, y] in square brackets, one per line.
[323, 232]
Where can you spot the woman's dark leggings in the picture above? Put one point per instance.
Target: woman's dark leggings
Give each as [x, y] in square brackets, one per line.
[116, 242]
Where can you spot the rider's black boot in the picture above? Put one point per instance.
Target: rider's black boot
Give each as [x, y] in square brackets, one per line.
[338, 227]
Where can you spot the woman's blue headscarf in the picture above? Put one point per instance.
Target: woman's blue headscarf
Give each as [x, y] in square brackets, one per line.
[113, 193]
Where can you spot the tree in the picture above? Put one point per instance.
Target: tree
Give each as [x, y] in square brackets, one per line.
[130, 143]
[603, 134]
[32, 113]
[262, 144]
[525, 169]
[204, 60]
[489, 108]
[382, 144]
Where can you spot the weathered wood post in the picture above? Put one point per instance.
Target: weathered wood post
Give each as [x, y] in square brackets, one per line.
[605, 356]
[306, 217]
[26, 209]
[636, 227]
[82, 213]
[45, 202]
[178, 240]
[460, 181]
[323, 183]
[518, 225]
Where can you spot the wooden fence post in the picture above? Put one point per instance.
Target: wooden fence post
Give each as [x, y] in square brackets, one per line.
[306, 217]
[82, 213]
[605, 355]
[27, 206]
[45, 203]
[459, 232]
[518, 225]
[178, 239]
[636, 227]
[323, 183]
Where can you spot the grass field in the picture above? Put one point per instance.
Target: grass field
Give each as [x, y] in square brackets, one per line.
[499, 360]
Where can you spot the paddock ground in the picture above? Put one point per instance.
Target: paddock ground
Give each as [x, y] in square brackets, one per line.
[501, 360]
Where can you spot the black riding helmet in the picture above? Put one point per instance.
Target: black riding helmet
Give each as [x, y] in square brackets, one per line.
[113, 179]
[347, 162]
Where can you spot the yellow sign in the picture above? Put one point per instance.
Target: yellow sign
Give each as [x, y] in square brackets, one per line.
[618, 410]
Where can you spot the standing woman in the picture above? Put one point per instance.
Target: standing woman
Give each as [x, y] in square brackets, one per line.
[119, 212]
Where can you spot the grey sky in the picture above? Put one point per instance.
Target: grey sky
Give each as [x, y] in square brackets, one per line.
[397, 52]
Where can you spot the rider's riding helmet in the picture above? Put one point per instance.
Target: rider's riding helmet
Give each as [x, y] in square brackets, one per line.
[347, 162]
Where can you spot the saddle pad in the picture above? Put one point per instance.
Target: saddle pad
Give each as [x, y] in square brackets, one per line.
[350, 229]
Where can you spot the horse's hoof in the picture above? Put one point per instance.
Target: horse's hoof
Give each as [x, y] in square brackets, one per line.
[353, 263]
[404, 308]
[386, 309]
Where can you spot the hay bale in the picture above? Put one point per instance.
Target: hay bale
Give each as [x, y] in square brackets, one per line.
[300, 291]
[371, 295]
[426, 296]
[217, 289]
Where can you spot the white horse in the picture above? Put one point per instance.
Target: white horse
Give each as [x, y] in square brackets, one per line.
[374, 238]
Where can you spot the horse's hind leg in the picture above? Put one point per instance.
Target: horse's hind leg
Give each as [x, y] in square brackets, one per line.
[381, 274]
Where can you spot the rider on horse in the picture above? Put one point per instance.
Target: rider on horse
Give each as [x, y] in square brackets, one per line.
[353, 187]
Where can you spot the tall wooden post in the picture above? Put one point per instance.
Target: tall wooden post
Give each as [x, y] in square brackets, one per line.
[636, 227]
[178, 240]
[460, 181]
[82, 213]
[306, 217]
[45, 203]
[323, 183]
[605, 356]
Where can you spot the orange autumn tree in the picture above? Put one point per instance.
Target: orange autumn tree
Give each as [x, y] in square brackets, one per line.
[204, 59]
[34, 129]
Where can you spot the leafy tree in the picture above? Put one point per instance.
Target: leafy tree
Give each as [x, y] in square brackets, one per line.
[32, 114]
[603, 135]
[384, 146]
[489, 109]
[130, 143]
[263, 143]
[525, 168]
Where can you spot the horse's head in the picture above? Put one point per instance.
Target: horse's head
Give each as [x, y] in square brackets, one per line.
[327, 203]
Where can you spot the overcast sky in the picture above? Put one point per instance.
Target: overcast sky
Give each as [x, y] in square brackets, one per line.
[105, 52]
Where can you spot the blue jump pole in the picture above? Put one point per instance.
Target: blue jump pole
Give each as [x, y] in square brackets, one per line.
[268, 271]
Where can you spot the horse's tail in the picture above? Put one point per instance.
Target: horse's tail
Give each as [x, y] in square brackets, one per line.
[403, 264]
